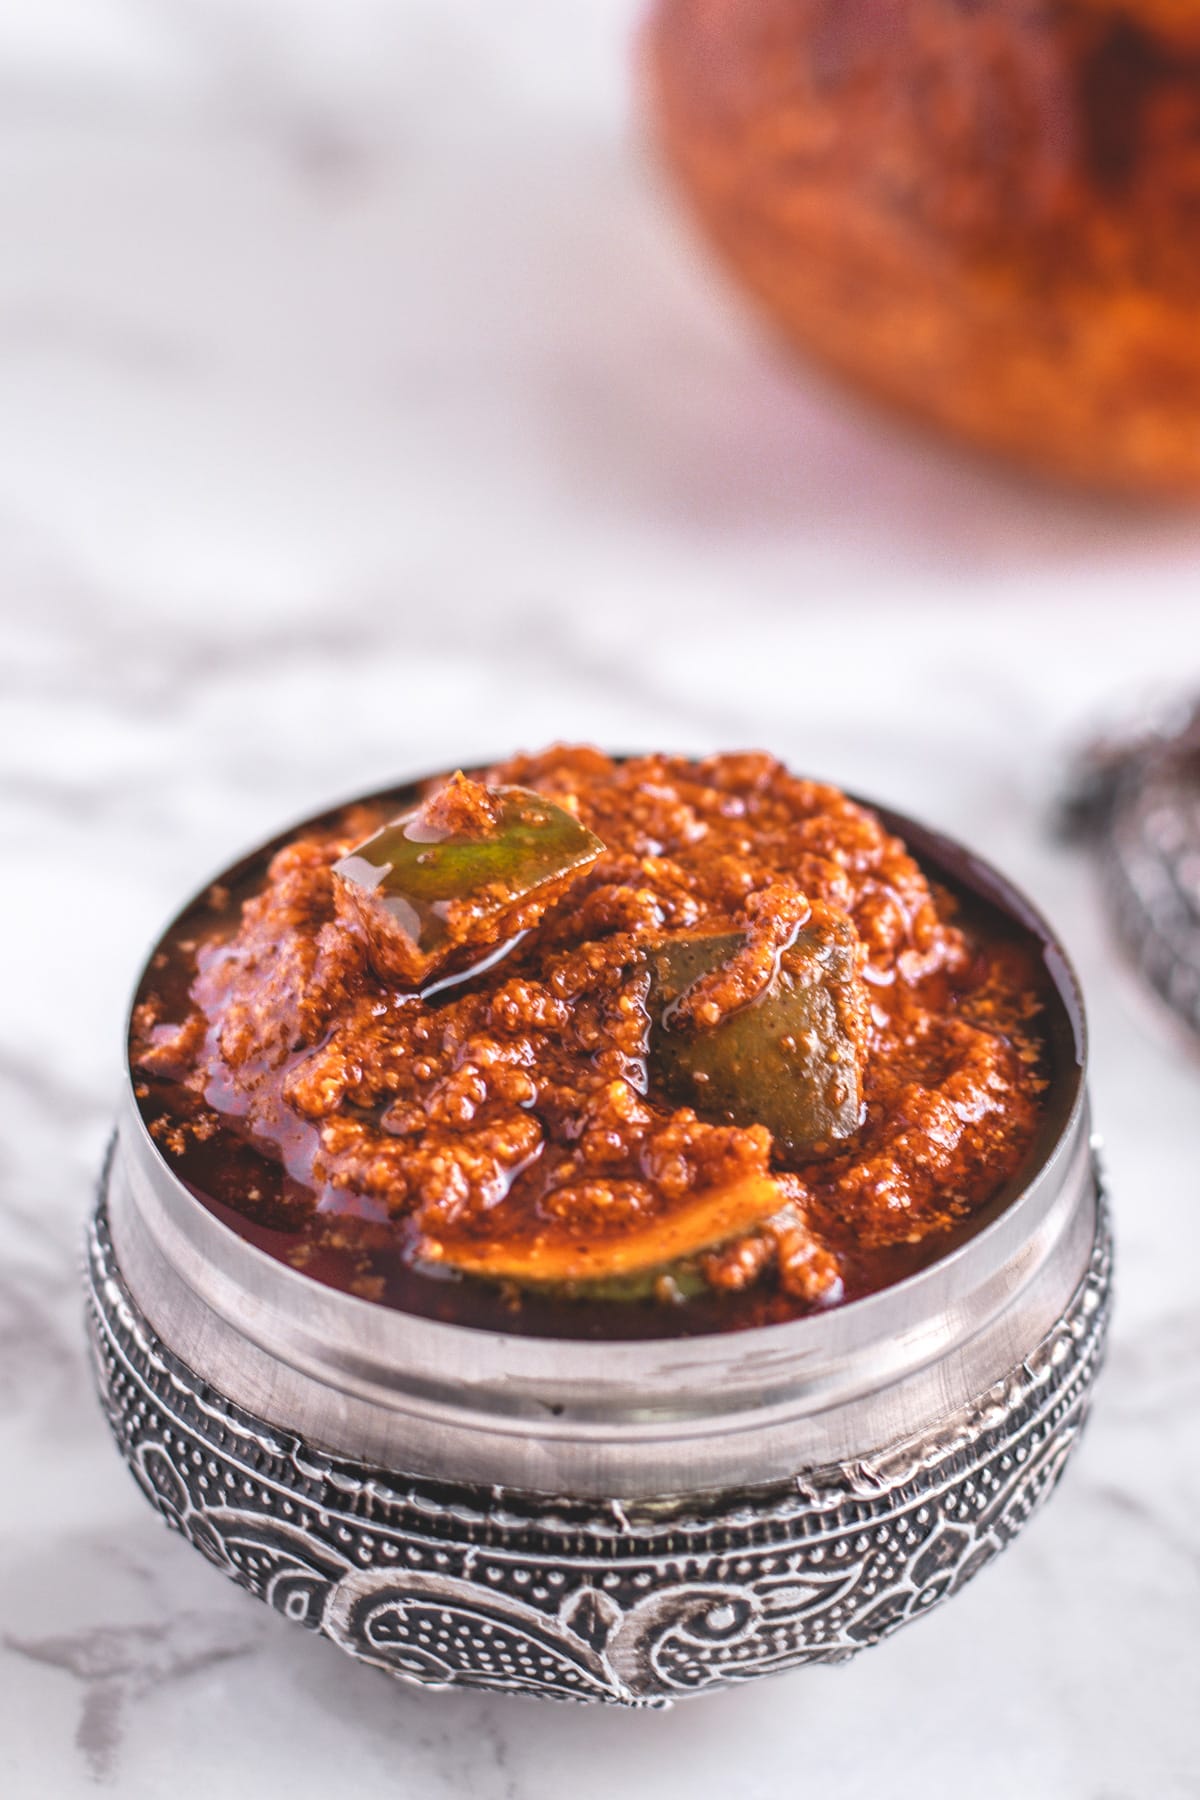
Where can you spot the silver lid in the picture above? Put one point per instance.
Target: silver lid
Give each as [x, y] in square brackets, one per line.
[1137, 795]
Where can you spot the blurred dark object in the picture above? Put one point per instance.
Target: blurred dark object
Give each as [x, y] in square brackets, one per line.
[989, 214]
[1138, 798]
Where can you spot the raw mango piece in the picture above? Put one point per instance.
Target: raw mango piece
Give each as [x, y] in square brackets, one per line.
[556, 1258]
[470, 867]
[788, 1060]
[672, 1284]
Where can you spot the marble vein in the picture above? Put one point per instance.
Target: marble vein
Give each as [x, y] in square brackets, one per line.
[120, 1664]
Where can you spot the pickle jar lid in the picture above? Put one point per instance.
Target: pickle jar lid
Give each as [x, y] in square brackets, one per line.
[1136, 796]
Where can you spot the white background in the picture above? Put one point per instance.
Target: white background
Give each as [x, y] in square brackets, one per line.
[365, 405]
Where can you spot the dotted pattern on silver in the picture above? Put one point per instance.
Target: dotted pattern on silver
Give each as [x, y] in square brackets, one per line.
[447, 1585]
[1152, 872]
[1139, 798]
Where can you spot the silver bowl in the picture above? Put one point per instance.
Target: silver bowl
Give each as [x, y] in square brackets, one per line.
[627, 1522]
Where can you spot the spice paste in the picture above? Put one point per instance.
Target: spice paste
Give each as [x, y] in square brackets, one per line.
[717, 1053]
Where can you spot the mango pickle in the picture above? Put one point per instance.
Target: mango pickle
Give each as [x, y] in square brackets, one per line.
[790, 1059]
[653, 1249]
[699, 1040]
[466, 869]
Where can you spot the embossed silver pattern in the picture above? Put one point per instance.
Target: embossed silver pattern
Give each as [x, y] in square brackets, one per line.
[1139, 798]
[452, 1584]
[1151, 862]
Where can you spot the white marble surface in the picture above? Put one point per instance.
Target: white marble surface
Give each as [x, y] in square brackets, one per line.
[363, 405]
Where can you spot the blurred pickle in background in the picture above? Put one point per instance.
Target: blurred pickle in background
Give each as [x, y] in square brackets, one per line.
[988, 214]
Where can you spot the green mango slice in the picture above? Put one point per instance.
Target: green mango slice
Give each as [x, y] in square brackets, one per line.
[469, 868]
[561, 1257]
[791, 1059]
[672, 1283]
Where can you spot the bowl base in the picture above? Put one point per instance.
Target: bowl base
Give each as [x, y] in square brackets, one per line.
[445, 1584]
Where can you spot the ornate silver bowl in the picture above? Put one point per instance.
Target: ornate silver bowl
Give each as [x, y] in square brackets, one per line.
[627, 1522]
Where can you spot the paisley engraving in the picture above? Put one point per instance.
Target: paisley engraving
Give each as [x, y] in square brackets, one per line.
[450, 1585]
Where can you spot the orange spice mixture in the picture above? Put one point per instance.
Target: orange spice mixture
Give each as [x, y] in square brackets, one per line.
[518, 1117]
